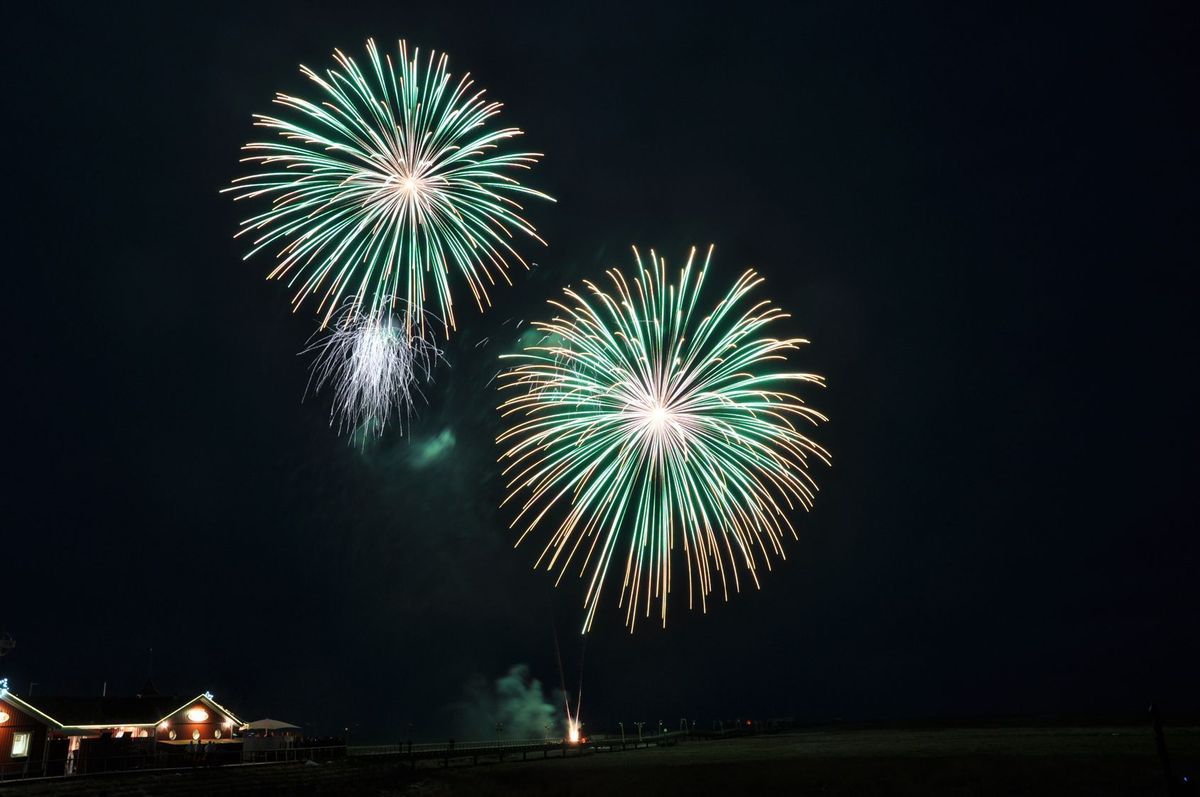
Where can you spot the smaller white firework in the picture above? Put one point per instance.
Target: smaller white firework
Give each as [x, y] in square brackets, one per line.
[374, 365]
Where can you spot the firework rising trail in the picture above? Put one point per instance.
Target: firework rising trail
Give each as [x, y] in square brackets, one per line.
[373, 366]
[574, 725]
[649, 426]
[388, 181]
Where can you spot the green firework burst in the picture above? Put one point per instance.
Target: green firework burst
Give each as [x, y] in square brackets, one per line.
[384, 185]
[653, 427]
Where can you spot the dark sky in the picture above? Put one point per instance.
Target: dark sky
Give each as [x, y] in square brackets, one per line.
[984, 221]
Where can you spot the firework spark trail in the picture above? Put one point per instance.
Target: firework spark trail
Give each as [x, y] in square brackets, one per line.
[658, 427]
[384, 184]
[573, 723]
[373, 366]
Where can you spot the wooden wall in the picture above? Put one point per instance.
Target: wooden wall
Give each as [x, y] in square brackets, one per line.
[19, 721]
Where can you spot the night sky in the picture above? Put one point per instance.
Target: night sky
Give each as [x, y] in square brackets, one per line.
[983, 220]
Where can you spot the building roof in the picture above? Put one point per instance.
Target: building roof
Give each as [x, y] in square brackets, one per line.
[107, 710]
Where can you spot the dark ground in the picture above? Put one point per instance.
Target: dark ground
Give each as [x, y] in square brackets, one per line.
[1099, 760]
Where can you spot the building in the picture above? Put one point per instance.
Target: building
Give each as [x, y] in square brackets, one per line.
[69, 735]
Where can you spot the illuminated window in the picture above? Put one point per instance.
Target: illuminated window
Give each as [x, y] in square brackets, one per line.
[21, 745]
[195, 736]
[171, 734]
[217, 733]
[197, 714]
[3, 715]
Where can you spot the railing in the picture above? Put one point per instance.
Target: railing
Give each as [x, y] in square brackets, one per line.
[418, 748]
[173, 758]
[163, 758]
[294, 753]
[500, 748]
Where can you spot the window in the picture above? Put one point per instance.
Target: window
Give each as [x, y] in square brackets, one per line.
[21, 744]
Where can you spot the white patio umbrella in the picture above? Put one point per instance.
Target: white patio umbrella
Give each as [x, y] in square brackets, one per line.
[270, 725]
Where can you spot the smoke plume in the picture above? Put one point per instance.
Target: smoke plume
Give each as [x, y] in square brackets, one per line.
[516, 702]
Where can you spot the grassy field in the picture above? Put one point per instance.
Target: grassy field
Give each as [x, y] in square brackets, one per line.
[1017, 761]
[958, 761]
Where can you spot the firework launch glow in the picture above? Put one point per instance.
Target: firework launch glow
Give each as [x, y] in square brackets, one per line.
[654, 427]
[573, 731]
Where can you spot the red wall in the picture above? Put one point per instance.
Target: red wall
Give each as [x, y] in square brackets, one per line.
[20, 721]
[183, 729]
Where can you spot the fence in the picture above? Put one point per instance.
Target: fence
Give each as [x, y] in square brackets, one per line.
[161, 758]
[451, 752]
[443, 754]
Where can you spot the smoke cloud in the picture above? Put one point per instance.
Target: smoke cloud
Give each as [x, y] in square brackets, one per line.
[516, 701]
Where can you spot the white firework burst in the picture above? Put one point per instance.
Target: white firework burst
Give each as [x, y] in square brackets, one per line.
[374, 366]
